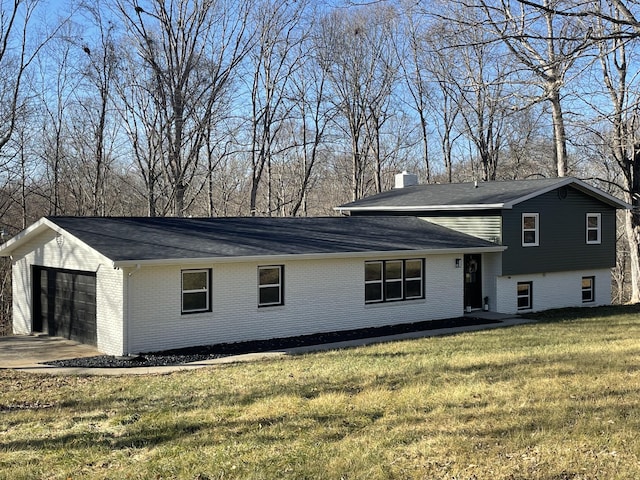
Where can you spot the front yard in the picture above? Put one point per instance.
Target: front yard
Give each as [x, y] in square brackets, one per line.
[554, 400]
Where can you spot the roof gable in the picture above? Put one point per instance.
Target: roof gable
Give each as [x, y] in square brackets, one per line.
[472, 196]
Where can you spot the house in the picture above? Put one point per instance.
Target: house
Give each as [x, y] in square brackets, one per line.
[131, 285]
[559, 234]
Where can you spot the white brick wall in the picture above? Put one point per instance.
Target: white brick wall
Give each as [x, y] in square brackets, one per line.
[63, 252]
[320, 296]
[554, 290]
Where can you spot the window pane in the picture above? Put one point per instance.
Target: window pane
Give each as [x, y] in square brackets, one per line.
[194, 280]
[592, 235]
[413, 269]
[269, 276]
[372, 271]
[269, 295]
[523, 302]
[194, 301]
[373, 292]
[393, 290]
[529, 237]
[592, 222]
[523, 289]
[586, 282]
[393, 270]
[529, 223]
[413, 288]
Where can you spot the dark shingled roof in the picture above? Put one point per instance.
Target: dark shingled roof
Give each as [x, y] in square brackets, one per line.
[495, 194]
[139, 239]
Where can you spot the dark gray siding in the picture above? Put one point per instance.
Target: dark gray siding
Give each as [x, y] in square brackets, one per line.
[562, 235]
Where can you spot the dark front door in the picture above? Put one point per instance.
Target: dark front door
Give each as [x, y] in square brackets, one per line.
[473, 280]
[64, 304]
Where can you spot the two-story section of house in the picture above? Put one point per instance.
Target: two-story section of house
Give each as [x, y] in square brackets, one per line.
[560, 235]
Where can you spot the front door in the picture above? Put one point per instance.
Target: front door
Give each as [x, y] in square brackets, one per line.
[473, 280]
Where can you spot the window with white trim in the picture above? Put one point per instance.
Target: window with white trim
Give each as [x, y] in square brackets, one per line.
[593, 228]
[525, 295]
[530, 230]
[393, 280]
[270, 285]
[588, 289]
[196, 295]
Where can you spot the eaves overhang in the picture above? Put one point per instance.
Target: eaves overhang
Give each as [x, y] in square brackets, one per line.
[306, 256]
[424, 208]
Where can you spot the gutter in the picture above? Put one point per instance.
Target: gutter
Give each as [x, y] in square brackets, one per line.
[307, 256]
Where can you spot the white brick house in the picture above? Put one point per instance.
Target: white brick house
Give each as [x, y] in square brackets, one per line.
[416, 253]
[171, 283]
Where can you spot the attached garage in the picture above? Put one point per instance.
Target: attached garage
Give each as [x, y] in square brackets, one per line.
[64, 303]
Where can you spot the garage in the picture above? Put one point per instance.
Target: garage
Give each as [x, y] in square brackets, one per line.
[65, 304]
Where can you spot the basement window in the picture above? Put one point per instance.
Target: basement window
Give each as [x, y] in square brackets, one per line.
[588, 289]
[525, 295]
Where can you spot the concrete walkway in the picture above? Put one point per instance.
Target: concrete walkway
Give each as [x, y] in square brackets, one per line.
[27, 353]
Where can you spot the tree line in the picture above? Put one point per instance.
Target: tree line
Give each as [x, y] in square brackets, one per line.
[285, 107]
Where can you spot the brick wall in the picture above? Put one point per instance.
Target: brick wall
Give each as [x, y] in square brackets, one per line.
[320, 296]
[554, 290]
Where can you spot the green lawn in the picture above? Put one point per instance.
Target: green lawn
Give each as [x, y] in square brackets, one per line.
[555, 400]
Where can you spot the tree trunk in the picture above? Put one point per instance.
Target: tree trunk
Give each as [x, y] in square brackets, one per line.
[559, 134]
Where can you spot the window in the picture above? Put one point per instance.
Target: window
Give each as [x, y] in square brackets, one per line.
[270, 285]
[530, 230]
[593, 228]
[393, 280]
[588, 289]
[195, 291]
[525, 295]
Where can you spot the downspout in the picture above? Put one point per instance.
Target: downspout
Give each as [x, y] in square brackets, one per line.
[125, 333]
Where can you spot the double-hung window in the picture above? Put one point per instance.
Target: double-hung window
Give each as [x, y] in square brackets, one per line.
[593, 228]
[270, 285]
[588, 289]
[196, 295]
[393, 280]
[525, 295]
[530, 230]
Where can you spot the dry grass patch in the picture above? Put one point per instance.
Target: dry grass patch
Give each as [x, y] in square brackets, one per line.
[551, 401]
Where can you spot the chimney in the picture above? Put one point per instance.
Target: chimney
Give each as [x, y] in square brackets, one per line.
[405, 179]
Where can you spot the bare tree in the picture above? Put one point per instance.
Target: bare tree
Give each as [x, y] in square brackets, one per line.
[545, 43]
[356, 51]
[277, 24]
[624, 118]
[189, 49]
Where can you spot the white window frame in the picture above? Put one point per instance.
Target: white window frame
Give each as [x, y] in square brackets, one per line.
[536, 230]
[279, 285]
[528, 296]
[591, 289]
[597, 229]
[206, 290]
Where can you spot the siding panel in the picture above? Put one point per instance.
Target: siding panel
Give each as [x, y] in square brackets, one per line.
[562, 235]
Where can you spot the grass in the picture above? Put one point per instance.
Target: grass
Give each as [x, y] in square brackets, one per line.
[555, 400]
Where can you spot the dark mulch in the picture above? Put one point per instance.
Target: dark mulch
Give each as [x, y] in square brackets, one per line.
[209, 352]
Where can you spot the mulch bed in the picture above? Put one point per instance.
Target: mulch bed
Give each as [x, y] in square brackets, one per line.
[209, 352]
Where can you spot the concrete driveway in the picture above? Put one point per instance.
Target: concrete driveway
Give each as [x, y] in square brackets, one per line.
[28, 351]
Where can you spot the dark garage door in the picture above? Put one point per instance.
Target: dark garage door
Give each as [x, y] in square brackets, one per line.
[65, 304]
